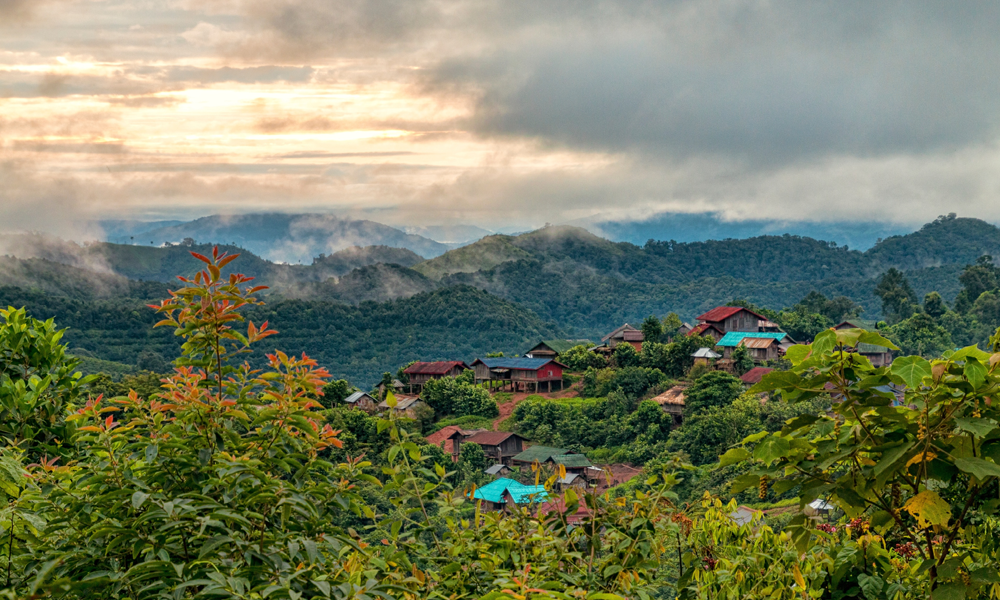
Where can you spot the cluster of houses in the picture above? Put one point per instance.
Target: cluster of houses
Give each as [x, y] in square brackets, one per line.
[540, 371]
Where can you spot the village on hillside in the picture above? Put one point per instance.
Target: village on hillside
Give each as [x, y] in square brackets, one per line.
[728, 339]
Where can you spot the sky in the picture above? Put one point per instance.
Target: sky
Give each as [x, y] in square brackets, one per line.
[502, 114]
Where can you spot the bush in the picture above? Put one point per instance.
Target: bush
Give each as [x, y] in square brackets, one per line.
[580, 358]
[457, 396]
[713, 389]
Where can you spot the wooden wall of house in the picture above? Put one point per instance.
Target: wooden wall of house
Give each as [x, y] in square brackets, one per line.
[511, 446]
[741, 321]
[483, 372]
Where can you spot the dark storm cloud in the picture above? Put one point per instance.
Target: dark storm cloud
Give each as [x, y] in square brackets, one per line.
[775, 81]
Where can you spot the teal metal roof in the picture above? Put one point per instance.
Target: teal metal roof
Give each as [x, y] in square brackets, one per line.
[493, 491]
[733, 338]
[520, 493]
[524, 494]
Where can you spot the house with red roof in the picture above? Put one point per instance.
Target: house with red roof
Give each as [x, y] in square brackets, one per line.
[732, 318]
[420, 373]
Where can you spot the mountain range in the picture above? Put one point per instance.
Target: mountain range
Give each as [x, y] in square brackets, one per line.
[279, 237]
[497, 293]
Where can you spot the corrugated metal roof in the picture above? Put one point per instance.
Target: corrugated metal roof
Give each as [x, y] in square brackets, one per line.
[617, 332]
[632, 336]
[493, 491]
[402, 402]
[733, 338]
[521, 364]
[572, 461]
[701, 329]
[496, 469]
[705, 353]
[857, 324]
[539, 453]
[754, 375]
[721, 313]
[758, 342]
[490, 438]
[524, 494]
[357, 396]
[519, 493]
[434, 368]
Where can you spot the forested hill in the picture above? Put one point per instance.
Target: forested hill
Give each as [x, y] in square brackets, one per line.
[946, 241]
[359, 342]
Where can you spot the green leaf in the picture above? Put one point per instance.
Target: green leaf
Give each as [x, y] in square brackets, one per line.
[744, 482]
[824, 342]
[777, 380]
[771, 449]
[929, 509]
[798, 353]
[138, 498]
[975, 372]
[970, 352]
[871, 585]
[911, 369]
[980, 427]
[870, 337]
[982, 469]
[890, 457]
[733, 456]
[949, 591]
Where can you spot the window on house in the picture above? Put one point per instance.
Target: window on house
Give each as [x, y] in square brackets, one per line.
[550, 373]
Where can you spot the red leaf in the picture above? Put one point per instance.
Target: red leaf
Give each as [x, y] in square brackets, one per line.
[201, 257]
[228, 259]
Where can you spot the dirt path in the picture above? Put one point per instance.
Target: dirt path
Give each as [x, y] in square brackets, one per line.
[507, 409]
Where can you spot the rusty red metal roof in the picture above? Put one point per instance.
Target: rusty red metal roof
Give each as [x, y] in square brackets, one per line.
[490, 438]
[701, 329]
[434, 368]
[721, 313]
[754, 375]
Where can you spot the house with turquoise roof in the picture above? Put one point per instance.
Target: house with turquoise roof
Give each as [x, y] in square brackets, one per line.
[503, 493]
[763, 345]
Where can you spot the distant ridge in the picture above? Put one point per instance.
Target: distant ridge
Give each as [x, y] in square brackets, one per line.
[291, 238]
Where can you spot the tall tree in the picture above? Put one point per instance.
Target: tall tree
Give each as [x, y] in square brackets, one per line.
[896, 294]
[652, 329]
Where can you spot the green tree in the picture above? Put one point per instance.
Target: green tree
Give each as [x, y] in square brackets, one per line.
[742, 361]
[671, 324]
[896, 294]
[934, 305]
[38, 384]
[920, 334]
[983, 276]
[580, 358]
[652, 329]
[472, 458]
[715, 388]
[335, 392]
[624, 355]
[458, 397]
